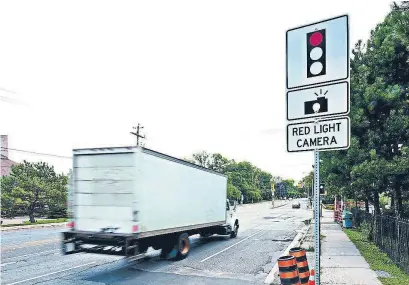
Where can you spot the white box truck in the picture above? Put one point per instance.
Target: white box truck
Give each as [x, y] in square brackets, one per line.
[127, 199]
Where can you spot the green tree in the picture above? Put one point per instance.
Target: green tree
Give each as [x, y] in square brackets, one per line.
[9, 203]
[218, 163]
[201, 158]
[307, 180]
[232, 192]
[264, 184]
[214, 161]
[34, 185]
[292, 190]
[243, 177]
[376, 162]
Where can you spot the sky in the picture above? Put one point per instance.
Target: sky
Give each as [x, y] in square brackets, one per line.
[198, 75]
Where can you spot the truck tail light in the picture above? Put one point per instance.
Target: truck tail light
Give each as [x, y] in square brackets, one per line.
[71, 224]
[135, 228]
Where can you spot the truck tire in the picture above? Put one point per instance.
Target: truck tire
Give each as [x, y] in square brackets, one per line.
[235, 230]
[183, 246]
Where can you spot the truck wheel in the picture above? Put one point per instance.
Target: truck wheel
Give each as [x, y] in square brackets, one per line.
[183, 246]
[235, 231]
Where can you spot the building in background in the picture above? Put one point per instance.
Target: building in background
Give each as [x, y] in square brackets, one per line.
[6, 163]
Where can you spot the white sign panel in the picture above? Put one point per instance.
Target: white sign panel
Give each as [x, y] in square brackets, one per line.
[318, 53]
[327, 134]
[320, 101]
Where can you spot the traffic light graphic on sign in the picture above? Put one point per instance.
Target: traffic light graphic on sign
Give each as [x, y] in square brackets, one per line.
[316, 53]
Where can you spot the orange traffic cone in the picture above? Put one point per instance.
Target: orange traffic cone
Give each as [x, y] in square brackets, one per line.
[312, 278]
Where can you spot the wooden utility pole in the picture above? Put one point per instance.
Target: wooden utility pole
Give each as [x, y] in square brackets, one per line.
[137, 133]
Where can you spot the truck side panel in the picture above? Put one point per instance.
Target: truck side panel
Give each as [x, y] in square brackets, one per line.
[174, 194]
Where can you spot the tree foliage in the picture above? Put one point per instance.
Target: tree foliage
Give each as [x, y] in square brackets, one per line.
[377, 161]
[33, 186]
[292, 190]
[243, 177]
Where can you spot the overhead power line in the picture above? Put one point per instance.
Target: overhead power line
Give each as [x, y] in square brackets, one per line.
[37, 153]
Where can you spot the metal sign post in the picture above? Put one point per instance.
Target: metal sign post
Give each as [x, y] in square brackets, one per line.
[317, 215]
[317, 89]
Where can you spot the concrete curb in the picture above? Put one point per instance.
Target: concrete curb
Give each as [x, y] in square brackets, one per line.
[26, 227]
[295, 243]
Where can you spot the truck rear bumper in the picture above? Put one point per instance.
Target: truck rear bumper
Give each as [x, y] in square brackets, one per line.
[103, 243]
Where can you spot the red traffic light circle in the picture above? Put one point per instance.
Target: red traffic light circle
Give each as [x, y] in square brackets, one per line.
[316, 38]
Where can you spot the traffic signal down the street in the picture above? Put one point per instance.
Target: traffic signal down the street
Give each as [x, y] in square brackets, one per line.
[322, 188]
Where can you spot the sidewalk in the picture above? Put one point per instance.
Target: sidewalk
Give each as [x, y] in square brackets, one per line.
[341, 262]
[19, 222]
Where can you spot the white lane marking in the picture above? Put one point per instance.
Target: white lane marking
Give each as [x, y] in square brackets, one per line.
[31, 254]
[217, 253]
[4, 264]
[44, 275]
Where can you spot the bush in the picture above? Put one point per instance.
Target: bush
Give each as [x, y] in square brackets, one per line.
[328, 200]
[329, 207]
[366, 229]
[56, 213]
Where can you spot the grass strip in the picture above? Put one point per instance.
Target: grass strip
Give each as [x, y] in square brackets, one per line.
[38, 222]
[377, 259]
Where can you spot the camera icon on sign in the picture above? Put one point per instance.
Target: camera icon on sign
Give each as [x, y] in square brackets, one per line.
[316, 106]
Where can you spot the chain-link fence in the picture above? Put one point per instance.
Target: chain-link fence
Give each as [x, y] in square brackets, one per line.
[390, 234]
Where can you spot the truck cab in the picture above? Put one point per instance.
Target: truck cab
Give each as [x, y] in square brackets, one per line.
[231, 218]
[229, 228]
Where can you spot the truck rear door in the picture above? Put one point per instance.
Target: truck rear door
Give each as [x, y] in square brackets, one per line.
[104, 184]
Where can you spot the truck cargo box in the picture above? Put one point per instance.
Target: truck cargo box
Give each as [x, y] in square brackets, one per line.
[130, 190]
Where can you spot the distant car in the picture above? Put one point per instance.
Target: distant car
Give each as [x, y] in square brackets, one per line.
[296, 204]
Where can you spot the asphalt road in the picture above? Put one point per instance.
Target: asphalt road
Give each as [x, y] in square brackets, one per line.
[32, 256]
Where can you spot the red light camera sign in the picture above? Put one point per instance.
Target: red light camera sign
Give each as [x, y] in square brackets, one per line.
[318, 84]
